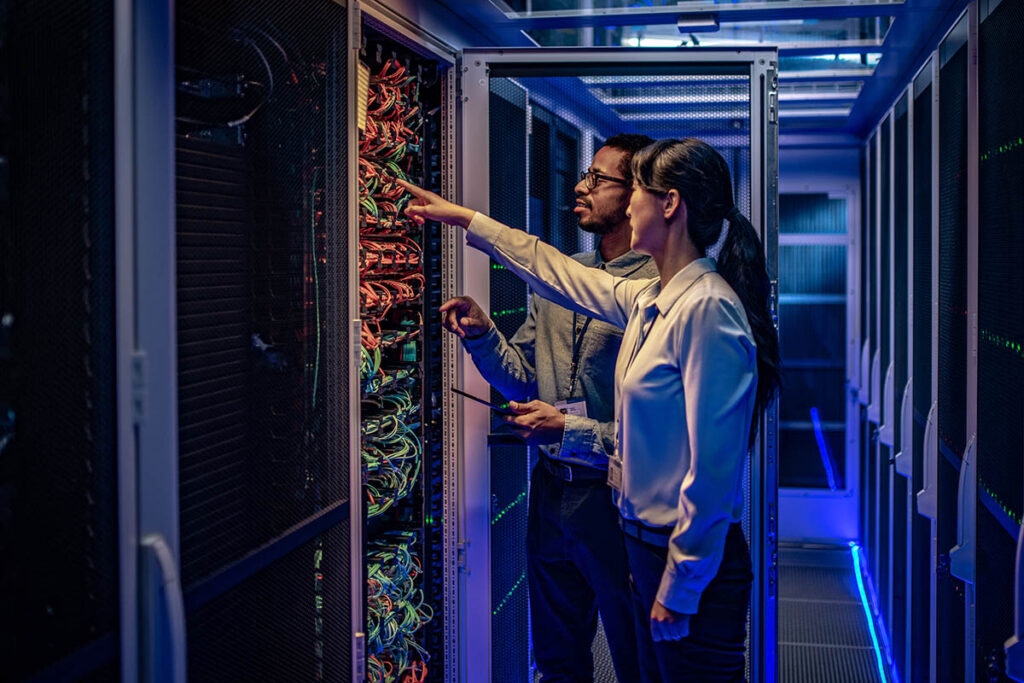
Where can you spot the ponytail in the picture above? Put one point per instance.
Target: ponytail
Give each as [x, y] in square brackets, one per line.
[701, 176]
[741, 263]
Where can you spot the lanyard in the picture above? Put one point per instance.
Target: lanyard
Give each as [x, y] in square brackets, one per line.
[578, 331]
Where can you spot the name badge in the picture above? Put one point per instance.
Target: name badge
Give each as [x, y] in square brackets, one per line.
[615, 473]
[577, 406]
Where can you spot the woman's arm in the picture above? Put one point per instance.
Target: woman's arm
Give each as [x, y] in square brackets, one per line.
[550, 273]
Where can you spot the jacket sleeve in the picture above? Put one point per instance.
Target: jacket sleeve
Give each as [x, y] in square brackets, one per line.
[508, 365]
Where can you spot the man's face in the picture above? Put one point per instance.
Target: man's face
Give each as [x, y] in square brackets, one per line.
[603, 207]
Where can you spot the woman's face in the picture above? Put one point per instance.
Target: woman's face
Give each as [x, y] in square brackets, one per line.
[647, 219]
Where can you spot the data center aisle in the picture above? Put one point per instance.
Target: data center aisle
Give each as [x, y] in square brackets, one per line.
[823, 630]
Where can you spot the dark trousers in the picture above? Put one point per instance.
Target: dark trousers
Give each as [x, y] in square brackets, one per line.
[714, 649]
[576, 564]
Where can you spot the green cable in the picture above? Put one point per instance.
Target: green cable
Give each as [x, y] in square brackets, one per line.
[316, 284]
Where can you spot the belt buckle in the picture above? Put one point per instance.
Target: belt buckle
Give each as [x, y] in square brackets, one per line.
[568, 471]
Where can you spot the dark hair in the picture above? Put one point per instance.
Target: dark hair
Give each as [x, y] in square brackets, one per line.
[702, 178]
[630, 143]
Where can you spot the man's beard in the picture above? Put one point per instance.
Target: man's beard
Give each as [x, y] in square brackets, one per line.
[601, 225]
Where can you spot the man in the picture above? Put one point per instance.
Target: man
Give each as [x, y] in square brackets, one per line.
[559, 370]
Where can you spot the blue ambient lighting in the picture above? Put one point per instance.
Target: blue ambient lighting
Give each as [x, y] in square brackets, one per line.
[826, 457]
[855, 551]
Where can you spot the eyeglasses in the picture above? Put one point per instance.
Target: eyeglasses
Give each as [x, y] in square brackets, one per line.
[591, 178]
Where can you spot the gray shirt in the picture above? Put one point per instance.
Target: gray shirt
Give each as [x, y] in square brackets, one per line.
[536, 363]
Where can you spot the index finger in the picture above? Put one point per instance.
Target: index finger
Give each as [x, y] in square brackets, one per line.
[414, 189]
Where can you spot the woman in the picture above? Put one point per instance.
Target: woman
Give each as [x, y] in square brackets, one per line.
[699, 362]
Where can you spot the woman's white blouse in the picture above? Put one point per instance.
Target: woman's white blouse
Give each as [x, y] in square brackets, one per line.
[685, 383]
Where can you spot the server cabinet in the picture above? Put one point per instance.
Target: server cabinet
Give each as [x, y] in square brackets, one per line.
[65, 427]
[560, 77]
[1000, 317]
[261, 266]
[406, 540]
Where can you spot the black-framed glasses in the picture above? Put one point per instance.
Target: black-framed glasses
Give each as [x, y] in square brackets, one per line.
[591, 178]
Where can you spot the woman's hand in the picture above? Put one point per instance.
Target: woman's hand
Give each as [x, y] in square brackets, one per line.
[668, 625]
[426, 205]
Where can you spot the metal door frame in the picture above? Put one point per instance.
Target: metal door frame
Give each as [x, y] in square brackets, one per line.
[474, 156]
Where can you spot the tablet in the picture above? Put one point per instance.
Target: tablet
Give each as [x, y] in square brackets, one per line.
[503, 409]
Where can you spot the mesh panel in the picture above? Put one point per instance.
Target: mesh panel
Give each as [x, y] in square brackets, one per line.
[952, 343]
[1000, 316]
[813, 269]
[899, 354]
[262, 338]
[58, 495]
[510, 465]
[263, 629]
[922, 370]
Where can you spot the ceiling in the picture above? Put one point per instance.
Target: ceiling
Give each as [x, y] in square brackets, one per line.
[842, 63]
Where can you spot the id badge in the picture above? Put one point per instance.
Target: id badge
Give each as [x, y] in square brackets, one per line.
[577, 406]
[615, 473]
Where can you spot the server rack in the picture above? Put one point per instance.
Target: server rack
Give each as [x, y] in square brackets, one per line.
[423, 519]
[62, 428]
[999, 472]
[261, 269]
[402, 270]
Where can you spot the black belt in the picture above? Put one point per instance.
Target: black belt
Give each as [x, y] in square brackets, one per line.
[572, 473]
[657, 536]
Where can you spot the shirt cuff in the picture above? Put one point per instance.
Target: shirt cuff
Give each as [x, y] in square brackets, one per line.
[576, 437]
[487, 341]
[483, 232]
[675, 594]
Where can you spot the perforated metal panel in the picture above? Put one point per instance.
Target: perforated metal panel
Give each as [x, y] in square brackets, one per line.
[823, 632]
[58, 449]
[922, 370]
[952, 347]
[262, 334]
[1000, 327]
[511, 176]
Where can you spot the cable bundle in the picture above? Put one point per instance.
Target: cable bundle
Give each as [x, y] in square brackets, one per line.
[391, 125]
[395, 610]
[391, 452]
[391, 297]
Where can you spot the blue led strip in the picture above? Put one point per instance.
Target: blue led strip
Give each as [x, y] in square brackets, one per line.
[869, 615]
[826, 457]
